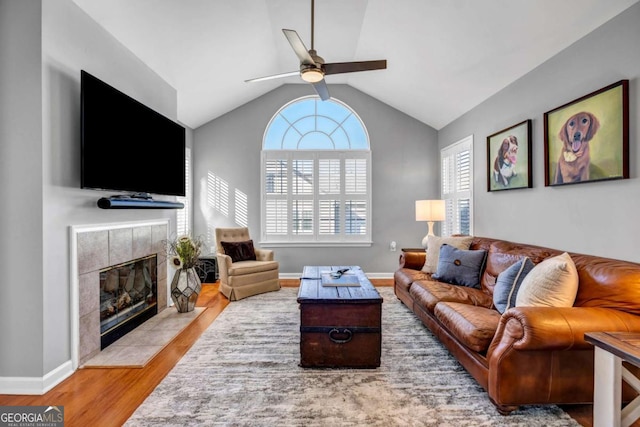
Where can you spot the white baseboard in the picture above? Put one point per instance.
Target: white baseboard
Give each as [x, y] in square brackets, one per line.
[36, 385]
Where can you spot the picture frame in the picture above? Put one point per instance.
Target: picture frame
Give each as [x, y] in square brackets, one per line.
[587, 139]
[509, 158]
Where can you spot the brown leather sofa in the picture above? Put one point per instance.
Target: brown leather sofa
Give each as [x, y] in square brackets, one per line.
[528, 355]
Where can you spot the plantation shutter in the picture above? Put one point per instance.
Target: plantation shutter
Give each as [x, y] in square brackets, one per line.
[457, 173]
[276, 188]
[329, 190]
[356, 185]
[316, 196]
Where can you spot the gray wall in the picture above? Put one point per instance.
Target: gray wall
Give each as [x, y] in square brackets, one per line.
[405, 161]
[596, 218]
[20, 187]
[43, 47]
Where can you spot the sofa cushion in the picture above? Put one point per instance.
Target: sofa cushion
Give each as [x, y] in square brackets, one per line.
[473, 326]
[433, 249]
[508, 283]
[404, 277]
[428, 293]
[459, 266]
[552, 283]
[239, 251]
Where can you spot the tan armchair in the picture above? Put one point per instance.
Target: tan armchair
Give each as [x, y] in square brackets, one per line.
[244, 277]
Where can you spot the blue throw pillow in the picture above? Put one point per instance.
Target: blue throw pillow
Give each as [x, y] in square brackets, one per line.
[508, 282]
[460, 267]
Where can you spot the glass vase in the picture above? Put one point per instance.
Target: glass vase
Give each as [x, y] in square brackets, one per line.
[185, 289]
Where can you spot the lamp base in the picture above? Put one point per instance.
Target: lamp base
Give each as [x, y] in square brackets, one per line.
[425, 241]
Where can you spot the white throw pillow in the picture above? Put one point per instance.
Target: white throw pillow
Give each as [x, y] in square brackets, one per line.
[433, 249]
[551, 283]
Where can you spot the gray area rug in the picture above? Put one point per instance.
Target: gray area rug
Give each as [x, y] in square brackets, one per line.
[243, 371]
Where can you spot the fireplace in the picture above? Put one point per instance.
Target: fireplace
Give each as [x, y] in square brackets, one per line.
[98, 248]
[128, 297]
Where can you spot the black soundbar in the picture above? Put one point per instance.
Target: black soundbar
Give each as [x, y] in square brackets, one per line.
[136, 203]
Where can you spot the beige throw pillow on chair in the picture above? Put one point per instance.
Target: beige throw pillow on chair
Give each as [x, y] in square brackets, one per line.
[433, 249]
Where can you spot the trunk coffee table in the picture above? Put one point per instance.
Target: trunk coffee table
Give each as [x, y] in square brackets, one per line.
[340, 319]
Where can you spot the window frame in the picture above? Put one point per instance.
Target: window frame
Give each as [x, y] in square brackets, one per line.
[315, 238]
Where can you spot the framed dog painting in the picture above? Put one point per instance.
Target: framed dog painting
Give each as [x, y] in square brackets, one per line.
[509, 158]
[588, 139]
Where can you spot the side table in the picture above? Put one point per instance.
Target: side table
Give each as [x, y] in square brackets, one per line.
[412, 258]
[207, 268]
[611, 349]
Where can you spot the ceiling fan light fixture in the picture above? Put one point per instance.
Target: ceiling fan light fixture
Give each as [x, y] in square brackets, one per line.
[312, 75]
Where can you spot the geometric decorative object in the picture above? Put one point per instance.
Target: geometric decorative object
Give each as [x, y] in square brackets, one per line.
[185, 289]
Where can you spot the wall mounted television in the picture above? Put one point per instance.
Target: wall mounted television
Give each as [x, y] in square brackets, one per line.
[127, 146]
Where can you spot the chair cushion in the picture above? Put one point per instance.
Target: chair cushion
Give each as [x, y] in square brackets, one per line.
[239, 251]
[249, 267]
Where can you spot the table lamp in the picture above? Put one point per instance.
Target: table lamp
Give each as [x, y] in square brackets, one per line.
[430, 211]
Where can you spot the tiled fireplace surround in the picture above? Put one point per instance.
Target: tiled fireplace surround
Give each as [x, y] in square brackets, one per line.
[101, 246]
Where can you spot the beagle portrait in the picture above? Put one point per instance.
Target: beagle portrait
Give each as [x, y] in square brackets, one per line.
[504, 165]
[574, 161]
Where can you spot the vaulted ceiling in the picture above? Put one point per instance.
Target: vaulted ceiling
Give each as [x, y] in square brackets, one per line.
[444, 56]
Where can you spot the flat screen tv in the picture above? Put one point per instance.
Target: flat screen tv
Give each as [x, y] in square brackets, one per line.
[127, 146]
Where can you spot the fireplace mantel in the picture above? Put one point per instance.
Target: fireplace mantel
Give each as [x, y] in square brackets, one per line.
[98, 246]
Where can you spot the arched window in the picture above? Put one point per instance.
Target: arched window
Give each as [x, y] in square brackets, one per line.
[316, 173]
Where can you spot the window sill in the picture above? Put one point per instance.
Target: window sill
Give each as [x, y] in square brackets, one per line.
[302, 244]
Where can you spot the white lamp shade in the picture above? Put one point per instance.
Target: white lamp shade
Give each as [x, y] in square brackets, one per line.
[430, 210]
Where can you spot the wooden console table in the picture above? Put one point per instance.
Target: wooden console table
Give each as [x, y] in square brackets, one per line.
[611, 349]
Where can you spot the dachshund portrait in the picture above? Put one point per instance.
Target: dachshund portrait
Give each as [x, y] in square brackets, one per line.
[574, 161]
[504, 165]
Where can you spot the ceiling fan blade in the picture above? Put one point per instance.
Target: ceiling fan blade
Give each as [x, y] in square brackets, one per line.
[275, 76]
[298, 47]
[350, 67]
[322, 89]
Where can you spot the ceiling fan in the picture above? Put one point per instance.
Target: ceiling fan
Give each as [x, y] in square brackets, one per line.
[313, 68]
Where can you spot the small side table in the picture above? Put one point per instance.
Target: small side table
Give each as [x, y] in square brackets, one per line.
[611, 349]
[207, 268]
[412, 258]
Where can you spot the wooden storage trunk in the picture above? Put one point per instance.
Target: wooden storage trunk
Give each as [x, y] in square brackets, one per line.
[340, 326]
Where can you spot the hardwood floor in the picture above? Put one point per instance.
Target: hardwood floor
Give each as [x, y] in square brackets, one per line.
[108, 397]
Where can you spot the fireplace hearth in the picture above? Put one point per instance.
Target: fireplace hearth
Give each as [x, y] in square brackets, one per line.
[128, 297]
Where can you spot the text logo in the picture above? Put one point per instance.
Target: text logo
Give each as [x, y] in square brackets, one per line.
[31, 416]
